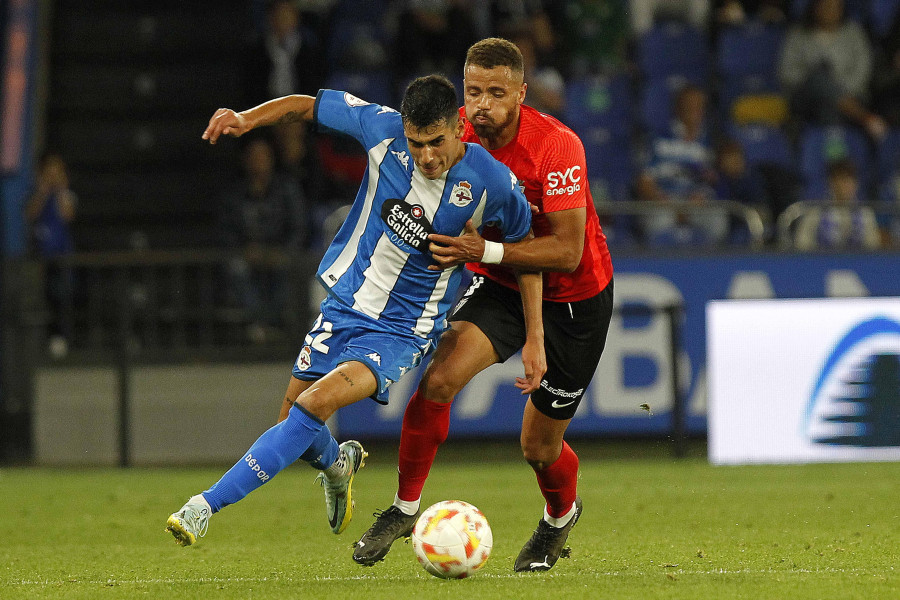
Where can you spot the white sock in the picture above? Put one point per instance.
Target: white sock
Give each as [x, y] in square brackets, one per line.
[559, 521]
[338, 468]
[199, 498]
[407, 508]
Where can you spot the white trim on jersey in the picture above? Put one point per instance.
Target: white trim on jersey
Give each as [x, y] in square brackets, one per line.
[427, 193]
[349, 253]
[425, 323]
[379, 278]
[478, 214]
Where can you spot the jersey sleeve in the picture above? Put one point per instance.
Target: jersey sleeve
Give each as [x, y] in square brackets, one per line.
[507, 209]
[345, 113]
[564, 182]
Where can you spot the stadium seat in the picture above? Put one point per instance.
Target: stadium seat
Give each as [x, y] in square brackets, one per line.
[657, 97]
[821, 145]
[889, 167]
[674, 48]
[608, 156]
[882, 14]
[750, 50]
[373, 86]
[764, 144]
[603, 101]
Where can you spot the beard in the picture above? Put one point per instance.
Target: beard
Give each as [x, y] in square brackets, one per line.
[491, 130]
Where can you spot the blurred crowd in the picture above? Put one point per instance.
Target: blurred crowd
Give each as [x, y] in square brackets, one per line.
[693, 114]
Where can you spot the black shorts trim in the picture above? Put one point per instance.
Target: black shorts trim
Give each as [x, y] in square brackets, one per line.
[574, 338]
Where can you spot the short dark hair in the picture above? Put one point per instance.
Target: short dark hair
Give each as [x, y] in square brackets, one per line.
[495, 52]
[429, 100]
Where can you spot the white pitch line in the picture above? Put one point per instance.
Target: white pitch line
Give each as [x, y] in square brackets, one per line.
[580, 574]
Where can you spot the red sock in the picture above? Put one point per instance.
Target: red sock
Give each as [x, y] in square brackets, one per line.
[558, 482]
[425, 427]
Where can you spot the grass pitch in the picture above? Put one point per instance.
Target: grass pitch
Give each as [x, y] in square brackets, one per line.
[652, 528]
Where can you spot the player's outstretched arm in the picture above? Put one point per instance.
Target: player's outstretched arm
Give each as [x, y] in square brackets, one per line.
[560, 250]
[534, 359]
[286, 109]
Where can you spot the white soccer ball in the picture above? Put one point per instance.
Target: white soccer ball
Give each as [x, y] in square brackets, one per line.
[452, 539]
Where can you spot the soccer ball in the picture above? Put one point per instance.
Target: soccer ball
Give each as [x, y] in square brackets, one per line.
[452, 539]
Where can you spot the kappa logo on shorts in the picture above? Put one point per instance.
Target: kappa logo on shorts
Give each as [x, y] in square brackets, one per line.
[375, 358]
[408, 225]
[461, 194]
[304, 361]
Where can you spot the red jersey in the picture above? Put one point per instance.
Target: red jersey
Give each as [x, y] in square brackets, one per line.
[548, 159]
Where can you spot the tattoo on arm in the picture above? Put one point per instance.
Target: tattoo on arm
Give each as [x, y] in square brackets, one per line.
[290, 117]
[346, 378]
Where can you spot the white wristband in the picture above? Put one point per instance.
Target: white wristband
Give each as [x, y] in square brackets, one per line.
[493, 253]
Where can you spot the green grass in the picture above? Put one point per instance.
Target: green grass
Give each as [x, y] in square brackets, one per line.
[652, 528]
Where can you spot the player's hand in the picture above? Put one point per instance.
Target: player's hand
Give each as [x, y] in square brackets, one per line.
[225, 122]
[535, 362]
[451, 251]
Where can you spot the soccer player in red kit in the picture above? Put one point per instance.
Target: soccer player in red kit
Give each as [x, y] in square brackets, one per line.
[487, 326]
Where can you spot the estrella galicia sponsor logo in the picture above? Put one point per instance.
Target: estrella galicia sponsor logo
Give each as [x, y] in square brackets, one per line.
[407, 224]
[254, 466]
[855, 399]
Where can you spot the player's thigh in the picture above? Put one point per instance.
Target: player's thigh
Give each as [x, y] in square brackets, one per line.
[346, 384]
[294, 389]
[462, 352]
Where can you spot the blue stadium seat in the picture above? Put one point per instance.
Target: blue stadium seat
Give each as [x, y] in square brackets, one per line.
[889, 167]
[882, 14]
[608, 156]
[751, 49]
[821, 145]
[603, 101]
[373, 86]
[764, 144]
[674, 48]
[657, 97]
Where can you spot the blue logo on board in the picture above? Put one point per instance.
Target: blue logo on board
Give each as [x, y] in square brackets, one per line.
[856, 397]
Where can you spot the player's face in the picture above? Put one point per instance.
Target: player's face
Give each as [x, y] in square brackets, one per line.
[435, 148]
[492, 99]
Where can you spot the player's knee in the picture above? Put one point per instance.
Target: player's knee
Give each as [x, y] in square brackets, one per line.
[538, 453]
[318, 405]
[439, 386]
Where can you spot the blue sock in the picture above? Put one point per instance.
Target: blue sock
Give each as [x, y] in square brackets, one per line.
[301, 434]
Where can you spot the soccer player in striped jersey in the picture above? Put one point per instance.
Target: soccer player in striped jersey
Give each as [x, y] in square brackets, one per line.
[385, 308]
[487, 325]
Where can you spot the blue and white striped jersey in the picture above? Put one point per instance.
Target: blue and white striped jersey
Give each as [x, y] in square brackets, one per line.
[378, 262]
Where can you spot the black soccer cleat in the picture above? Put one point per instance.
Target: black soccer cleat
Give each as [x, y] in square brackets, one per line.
[390, 525]
[547, 544]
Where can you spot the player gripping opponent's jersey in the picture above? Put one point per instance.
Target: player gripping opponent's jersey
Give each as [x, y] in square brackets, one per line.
[381, 292]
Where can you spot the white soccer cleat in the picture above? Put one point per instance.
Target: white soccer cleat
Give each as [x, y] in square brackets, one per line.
[338, 502]
[190, 522]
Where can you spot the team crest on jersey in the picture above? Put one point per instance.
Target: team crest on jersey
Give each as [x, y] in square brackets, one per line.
[352, 100]
[304, 361]
[408, 227]
[461, 194]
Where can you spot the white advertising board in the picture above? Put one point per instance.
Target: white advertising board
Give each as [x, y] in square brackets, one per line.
[803, 380]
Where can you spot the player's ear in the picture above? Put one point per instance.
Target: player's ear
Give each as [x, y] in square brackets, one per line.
[460, 126]
[521, 98]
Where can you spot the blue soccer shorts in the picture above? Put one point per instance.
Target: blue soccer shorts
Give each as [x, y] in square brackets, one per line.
[341, 334]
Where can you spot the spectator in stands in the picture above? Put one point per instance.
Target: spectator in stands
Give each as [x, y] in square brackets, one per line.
[826, 65]
[841, 222]
[274, 67]
[886, 77]
[439, 30]
[596, 36]
[49, 212]
[679, 173]
[644, 13]
[736, 181]
[739, 12]
[546, 86]
[262, 218]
